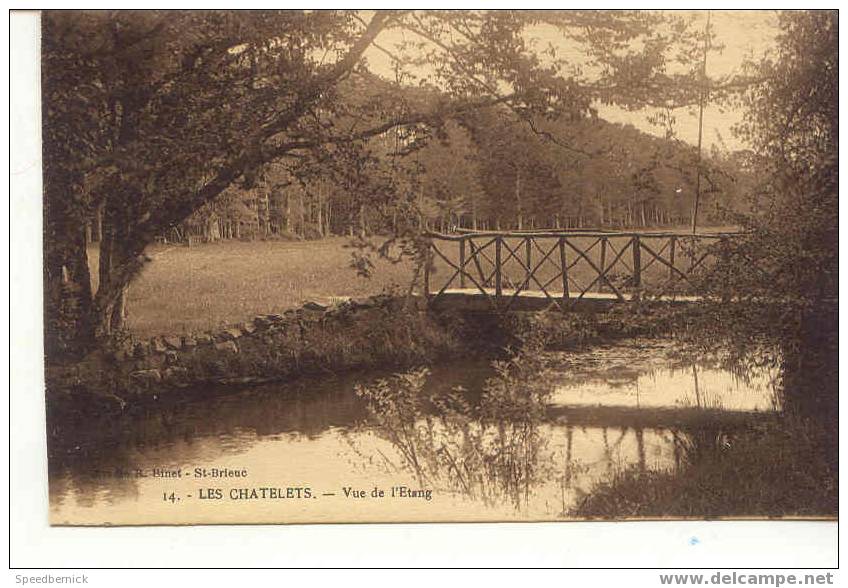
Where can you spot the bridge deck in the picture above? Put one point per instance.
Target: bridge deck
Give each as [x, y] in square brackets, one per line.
[472, 299]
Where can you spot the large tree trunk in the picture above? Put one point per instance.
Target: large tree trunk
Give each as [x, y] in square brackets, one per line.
[106, 297]
[68, 331]
[121, 259]
[68, 325]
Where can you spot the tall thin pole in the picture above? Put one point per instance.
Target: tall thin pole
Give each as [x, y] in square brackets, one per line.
[701, 99]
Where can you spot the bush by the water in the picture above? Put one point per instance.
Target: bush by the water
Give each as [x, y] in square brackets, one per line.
[778, 471]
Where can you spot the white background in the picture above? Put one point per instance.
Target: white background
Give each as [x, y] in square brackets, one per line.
[34, 544]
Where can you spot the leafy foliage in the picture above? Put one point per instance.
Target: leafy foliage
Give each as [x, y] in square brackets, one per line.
[491, 450]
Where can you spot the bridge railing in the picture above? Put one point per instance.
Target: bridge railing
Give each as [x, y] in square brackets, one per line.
[566, 267]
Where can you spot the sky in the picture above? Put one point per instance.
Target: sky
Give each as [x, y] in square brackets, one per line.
[743, 34]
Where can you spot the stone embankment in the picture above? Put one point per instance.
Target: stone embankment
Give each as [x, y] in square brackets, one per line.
[378, 331]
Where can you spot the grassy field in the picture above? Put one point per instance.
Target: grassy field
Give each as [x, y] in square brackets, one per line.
[190, 289]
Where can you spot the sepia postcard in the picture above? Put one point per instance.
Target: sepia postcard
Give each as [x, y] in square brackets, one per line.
[358, 266]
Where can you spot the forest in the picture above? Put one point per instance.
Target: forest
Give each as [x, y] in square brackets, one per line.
[486, 172]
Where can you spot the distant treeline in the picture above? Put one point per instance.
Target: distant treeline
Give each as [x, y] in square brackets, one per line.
[490, 170]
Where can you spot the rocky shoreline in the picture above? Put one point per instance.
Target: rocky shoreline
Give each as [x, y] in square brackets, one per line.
[377, 331]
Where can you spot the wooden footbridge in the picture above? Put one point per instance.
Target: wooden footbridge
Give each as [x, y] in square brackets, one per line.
[573, 270]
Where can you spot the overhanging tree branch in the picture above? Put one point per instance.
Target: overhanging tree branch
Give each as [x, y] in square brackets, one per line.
[269, 153]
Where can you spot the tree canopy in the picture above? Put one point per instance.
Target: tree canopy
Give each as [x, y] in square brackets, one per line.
[150, 116]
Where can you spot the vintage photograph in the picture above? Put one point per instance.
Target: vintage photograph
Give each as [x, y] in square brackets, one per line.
[358, 266]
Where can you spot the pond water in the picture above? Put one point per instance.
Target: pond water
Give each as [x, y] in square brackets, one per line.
[316, 452]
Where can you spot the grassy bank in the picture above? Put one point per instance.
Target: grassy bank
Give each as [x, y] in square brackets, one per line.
[190, 289]
[777, 471]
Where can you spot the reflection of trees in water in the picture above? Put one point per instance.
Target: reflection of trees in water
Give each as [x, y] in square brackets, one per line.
[505, 450]
[704, 378]
[496, 443]
[622, 448]
[617, 365]
[490, 451]
[87, 451]
[190, 434]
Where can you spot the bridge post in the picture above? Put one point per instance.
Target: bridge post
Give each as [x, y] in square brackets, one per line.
[564, 264]
[462, 263]
[671, 257]
[692, 253]
[603, 261]
[637, 262]
[498, 287]
[529, 251]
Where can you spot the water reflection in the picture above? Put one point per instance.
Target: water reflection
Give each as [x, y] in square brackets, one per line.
[691, 386]
[652, 375]
[527, 444]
